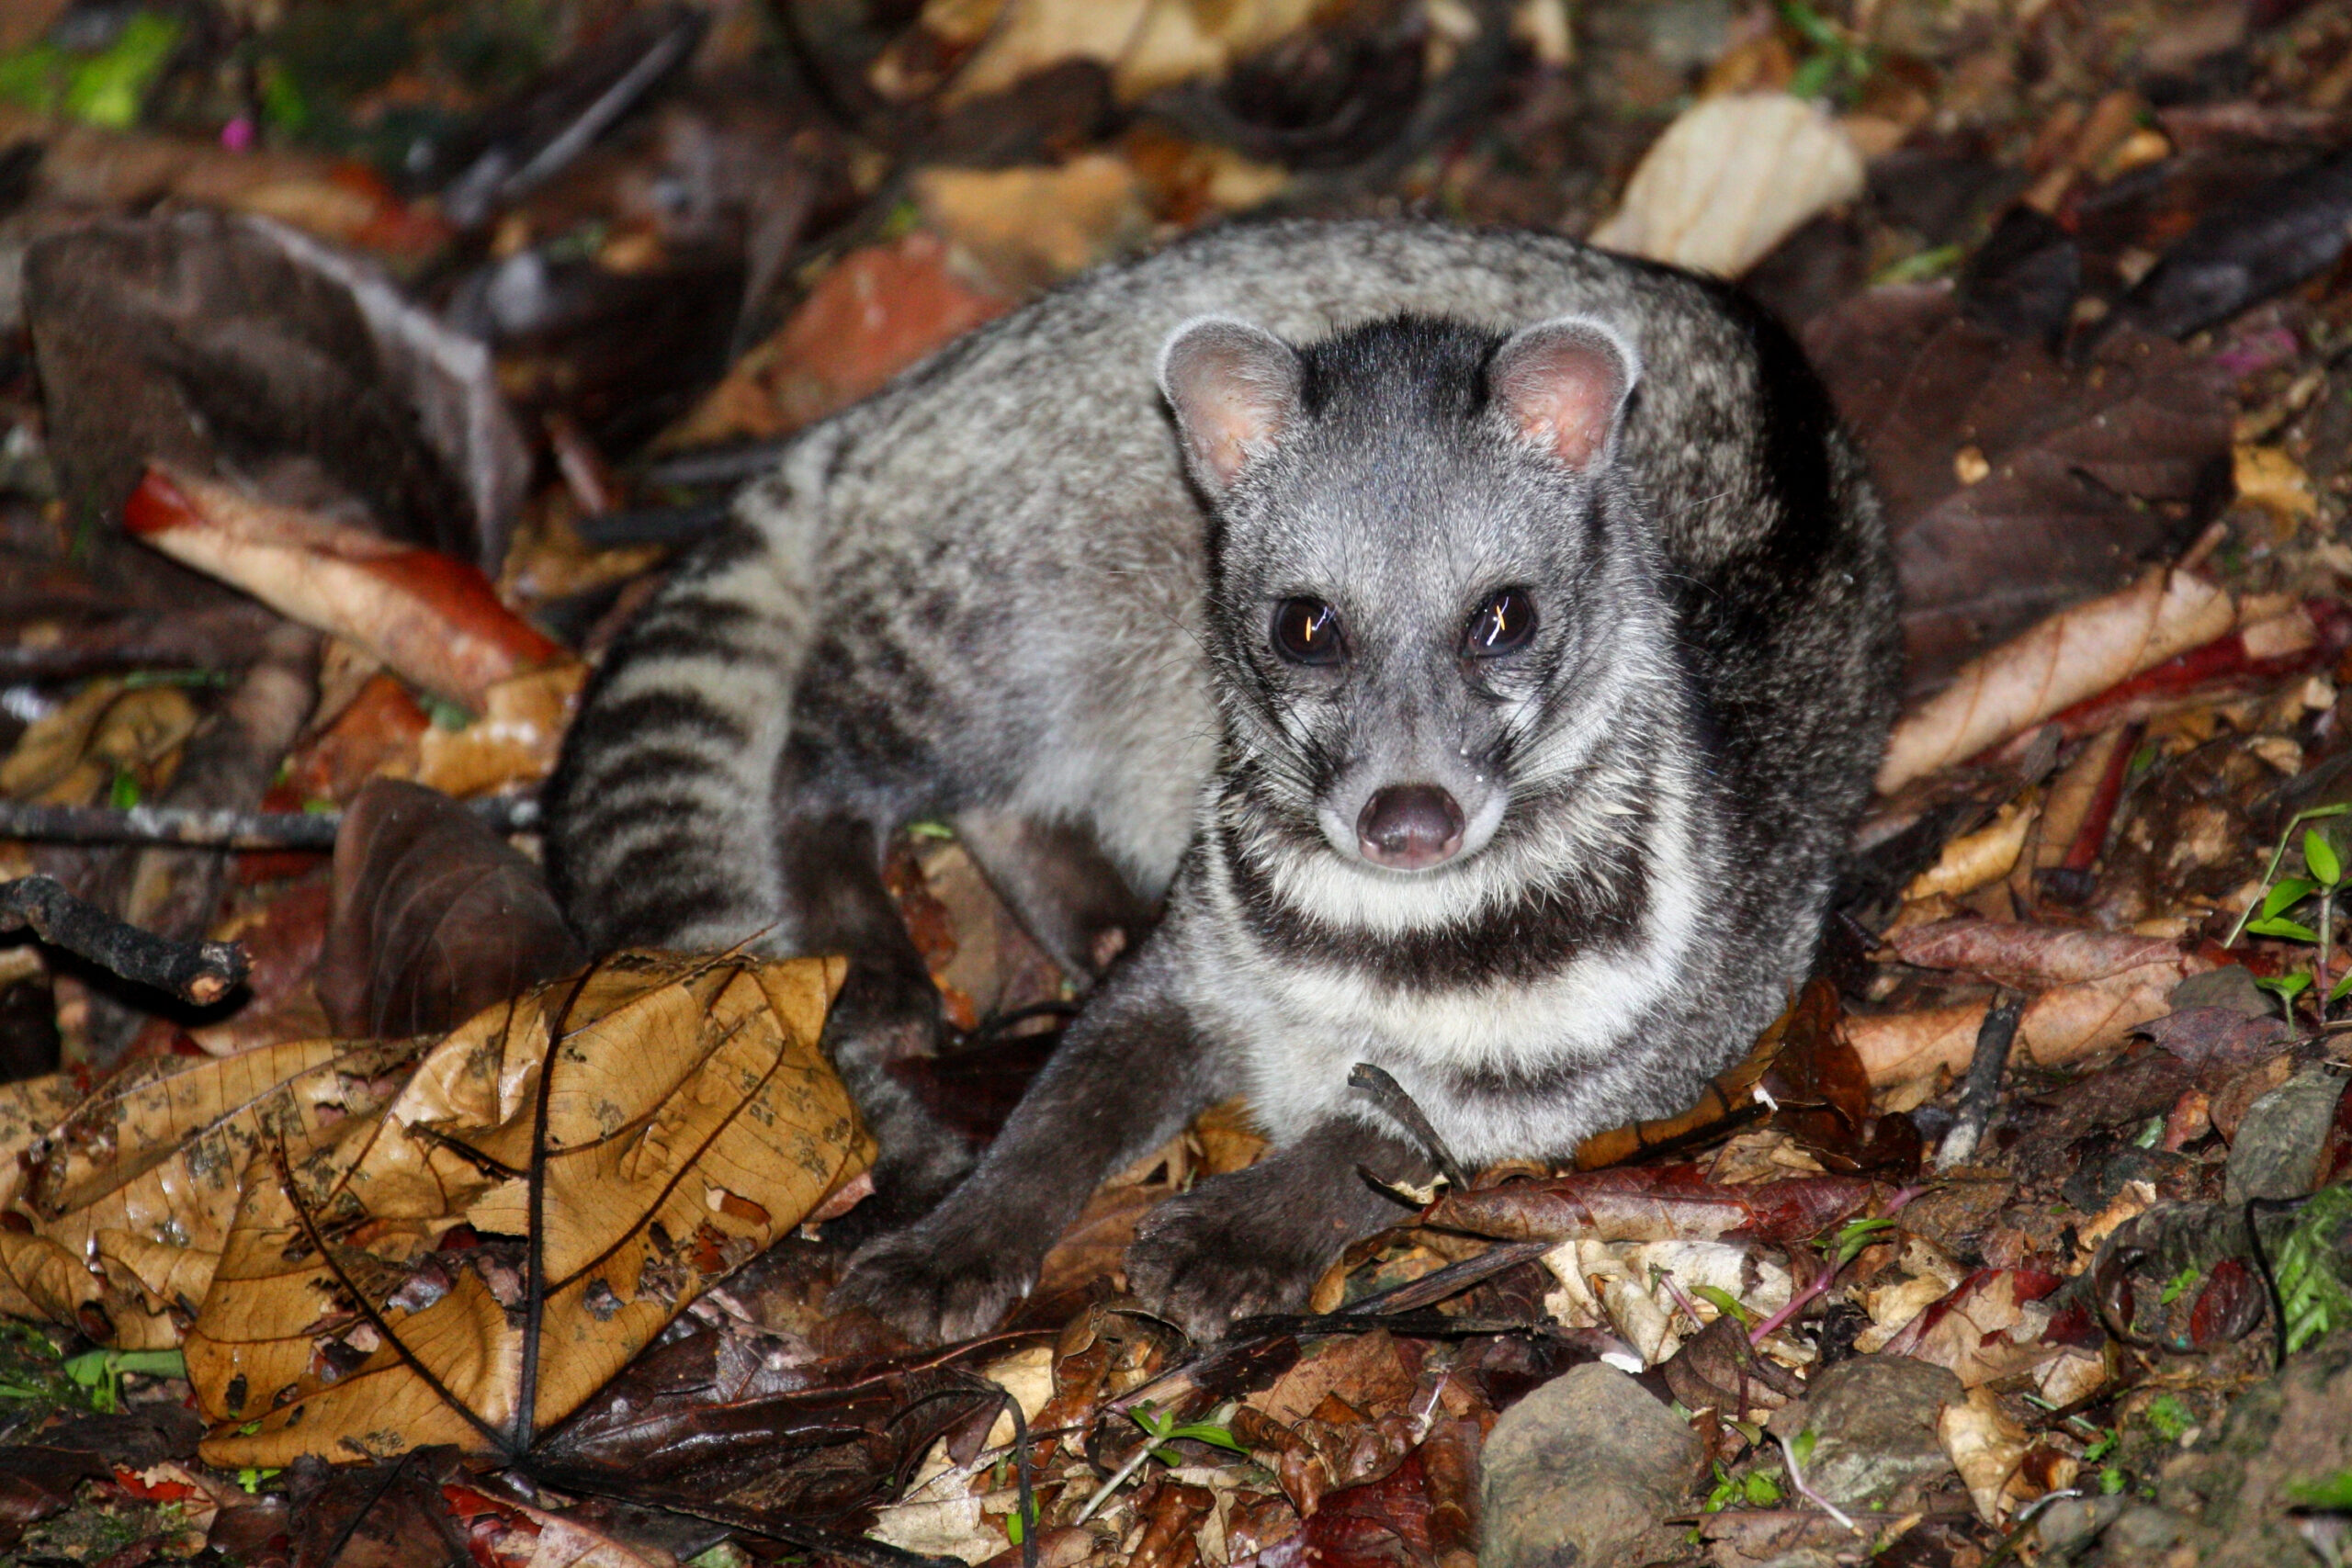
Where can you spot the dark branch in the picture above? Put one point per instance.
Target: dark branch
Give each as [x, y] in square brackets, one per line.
[197, 828]
[198, 972]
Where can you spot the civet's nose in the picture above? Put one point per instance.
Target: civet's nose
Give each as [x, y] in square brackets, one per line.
[1410, 828]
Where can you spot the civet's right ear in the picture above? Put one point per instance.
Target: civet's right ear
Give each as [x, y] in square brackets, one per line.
[1235, 389]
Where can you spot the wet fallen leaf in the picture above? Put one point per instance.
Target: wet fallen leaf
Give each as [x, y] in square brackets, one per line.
[434, 619]
[558, 1180]
[2089, 469]
[874, 312]
[1731, 178]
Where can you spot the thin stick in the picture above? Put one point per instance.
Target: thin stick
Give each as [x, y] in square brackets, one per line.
[197, 828]
[1981, 1091]
[1390, 1096]
[198, 972]
[1804, 1489]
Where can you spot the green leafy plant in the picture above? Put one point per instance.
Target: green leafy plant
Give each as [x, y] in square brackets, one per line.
[1162, 1430]
[2177, 1286]
[1837, 65]
[2271, 915]
[2314, 1276]
[2169, 1417]
[2334, 1492]
[101, 1373]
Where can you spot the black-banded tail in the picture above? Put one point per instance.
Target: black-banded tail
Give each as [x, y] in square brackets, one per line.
[662, 819]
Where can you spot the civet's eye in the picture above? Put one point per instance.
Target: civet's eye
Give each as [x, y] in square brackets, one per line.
[1306, 631]
[1502, 625]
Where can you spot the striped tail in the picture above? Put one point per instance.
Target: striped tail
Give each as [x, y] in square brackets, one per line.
[661, 816]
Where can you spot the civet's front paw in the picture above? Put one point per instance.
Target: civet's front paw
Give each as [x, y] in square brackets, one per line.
[1220, 1253]
[939, 1281]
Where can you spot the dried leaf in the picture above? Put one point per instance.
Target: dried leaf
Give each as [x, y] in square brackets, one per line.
[636, 1132]
[2060, 1025]
[513, 739]
[1148, 44]
[1731, 178]
[129, 1197]
[435, 916]
[2073, 655]
[1988, 1327]
[2025, 956]
[434, 619]
[1979, 859]
[1985, 1446]
[1031, 227]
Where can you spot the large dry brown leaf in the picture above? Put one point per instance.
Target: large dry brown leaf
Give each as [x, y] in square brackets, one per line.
[126, 1194]
[560, 1178]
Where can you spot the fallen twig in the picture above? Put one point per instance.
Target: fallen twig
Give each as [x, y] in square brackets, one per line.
[1981, 1090]
[195, 828]
[1803, 1488]
[198, 972]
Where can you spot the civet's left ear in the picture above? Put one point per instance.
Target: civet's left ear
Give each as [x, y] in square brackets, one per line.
[1563, 385]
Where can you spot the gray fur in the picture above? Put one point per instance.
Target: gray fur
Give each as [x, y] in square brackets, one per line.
[991, 592]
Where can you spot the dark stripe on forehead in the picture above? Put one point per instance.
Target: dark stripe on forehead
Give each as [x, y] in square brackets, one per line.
[1525, 940]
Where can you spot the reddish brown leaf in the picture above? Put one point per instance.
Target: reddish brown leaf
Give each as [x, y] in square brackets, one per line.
[431, 617]
[2228, 1307]
[1651, 1203]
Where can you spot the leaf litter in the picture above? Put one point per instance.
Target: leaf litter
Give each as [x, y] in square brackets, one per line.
[535, 1258]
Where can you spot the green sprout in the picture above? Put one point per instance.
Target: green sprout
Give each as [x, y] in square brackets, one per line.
[1162, 1430]
[2270, 914]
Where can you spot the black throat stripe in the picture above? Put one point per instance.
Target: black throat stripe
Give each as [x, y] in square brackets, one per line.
[1523, 941]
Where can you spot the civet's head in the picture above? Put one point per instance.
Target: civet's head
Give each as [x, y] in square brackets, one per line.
[1418, 560]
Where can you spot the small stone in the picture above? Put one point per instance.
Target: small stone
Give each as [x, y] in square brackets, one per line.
[1874, 1421]
[1582, 1472]
[2276, 1152]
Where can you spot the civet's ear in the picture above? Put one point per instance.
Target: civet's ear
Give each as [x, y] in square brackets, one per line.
[1234, 387]
[1563, 385]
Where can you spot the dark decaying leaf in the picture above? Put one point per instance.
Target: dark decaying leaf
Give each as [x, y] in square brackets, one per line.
[2271, 238]
[389, 1515]
[2023, 279]
[2086, 470]
[2218, 1035]
[435, 916]
[819, 1440]
[199, 340]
